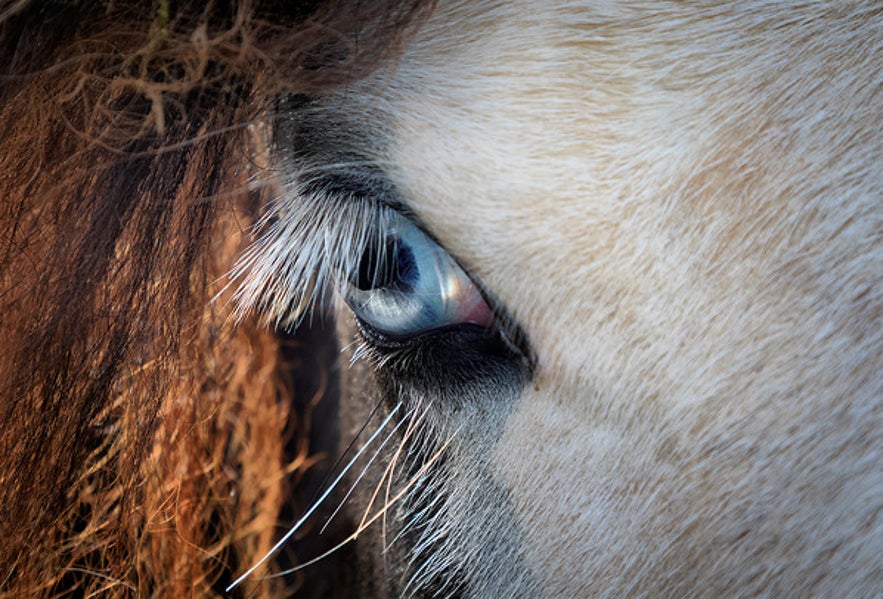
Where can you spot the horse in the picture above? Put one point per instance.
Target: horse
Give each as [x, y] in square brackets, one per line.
[526, 299]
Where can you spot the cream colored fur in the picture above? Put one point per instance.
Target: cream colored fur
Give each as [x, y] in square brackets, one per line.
[682, 204]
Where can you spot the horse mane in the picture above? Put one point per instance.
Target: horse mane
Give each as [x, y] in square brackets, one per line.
[149, 440]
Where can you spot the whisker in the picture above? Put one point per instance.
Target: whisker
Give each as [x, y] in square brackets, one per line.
[349, 447]
[409, 432]
[362, 474]
[366, 523]
[315, 506]
[389, 471]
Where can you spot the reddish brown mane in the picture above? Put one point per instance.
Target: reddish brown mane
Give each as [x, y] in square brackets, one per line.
[148, 443]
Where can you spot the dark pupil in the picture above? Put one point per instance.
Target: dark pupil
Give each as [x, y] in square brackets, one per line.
[388, 268]
[406, 267]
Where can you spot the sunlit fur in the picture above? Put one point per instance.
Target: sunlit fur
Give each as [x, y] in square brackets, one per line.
[681, 205]
[153, 438]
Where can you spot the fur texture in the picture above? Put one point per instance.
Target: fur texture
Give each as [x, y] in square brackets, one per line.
[680, 205]
[673, 208]
[150, 442]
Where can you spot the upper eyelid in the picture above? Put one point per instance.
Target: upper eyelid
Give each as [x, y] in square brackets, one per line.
[361, 183]
[368, 184]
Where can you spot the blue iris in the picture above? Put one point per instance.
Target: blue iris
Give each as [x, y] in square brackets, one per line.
[407, 284]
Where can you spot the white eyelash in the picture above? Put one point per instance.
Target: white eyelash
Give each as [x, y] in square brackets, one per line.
[307, 243]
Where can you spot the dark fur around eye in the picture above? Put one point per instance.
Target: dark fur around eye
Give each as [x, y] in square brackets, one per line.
[449, 361]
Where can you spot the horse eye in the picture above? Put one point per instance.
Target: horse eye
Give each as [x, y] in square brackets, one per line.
[406, 284]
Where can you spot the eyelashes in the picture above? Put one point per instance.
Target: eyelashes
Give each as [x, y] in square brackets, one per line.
[340, 233]
[304, 248]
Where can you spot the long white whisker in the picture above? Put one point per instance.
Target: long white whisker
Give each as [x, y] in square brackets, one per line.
[366, 523]
[409, 432]
[362, 474]
[390, 468]
[316, 504]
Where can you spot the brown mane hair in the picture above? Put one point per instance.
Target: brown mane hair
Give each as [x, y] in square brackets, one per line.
[149, 444]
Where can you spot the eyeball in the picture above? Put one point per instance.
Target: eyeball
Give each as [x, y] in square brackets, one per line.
[406, 284]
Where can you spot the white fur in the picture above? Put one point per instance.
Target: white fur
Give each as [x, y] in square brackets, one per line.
[681, 204]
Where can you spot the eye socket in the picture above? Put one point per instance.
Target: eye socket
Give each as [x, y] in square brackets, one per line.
[406, 284]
